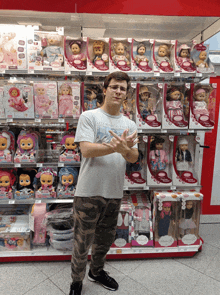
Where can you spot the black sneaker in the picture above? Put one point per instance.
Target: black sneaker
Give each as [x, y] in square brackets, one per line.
[104, 279]
[76, 288]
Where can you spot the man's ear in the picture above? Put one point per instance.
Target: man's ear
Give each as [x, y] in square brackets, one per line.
[104, 91]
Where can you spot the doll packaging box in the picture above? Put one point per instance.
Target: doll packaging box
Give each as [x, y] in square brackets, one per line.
[25, 186]
[129, 103]
[98, 55]
[141, 56]
[38, 227]
[75, 51]
[202, 106]
[69, 104]
[135, 174]
[7, 146]
[163, 56]
[45, 180]
[201, 59]
[120, 54]
[185, 160]
[7, 180]
[175, 106]
[189, 218]
[92, 95]
[13, 55]
[45, 51]
[70, 150]
[67, 182]
[165, 222]
[45, 100]
[2, 110]
[149, 106]
[183, 61]
[159, 161]
[18, 101]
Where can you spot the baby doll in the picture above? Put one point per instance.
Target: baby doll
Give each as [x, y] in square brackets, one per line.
[7, 179]
[183, 156]
[165, 218]
[46, 176]
[184, 54]
[120, 53]
[129, 107]
[98, 50]
[25, 183]
[202, 60]
[66, 106]
[42, 101]
[163, 54]
[141, 49]
[90, 101]
[158, 156]
[145, 102]
[6, 146]
[173, 103]
[75, 47]
[52, 51]
[200, 103]
[16, 101]
[27, 144]
[9, 49]
[68, 179]
[70, 148]
[187, 225]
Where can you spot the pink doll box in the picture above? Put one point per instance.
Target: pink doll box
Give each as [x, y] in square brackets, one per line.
[69, 103]
[141, 56]
[2, 103]
[149, 106]
[163, 56]
[70, 151]
[18, 101]
[135, 174]
[165, 220]
[13, 55]
[98, 55]
[200, 55]
[45, 100]
[75, 51]
[185, 160]
[189, 218]
[128, 106]
[7, 142]
[159, 161]
[202, 106]
[183, 62]
[175, 99]
[120, 54]
[45, 51]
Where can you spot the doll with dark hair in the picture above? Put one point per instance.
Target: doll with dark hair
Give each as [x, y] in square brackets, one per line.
[75, 47]
[25, 188]
[183, 156]
[141, 49]
[187, 224]
[158, 156]
[165, 218]
[173, 103]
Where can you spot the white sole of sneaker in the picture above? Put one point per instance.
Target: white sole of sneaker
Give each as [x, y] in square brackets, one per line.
[94, 281]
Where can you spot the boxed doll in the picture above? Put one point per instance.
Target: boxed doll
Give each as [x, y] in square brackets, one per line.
[45, 181]
[13, 55]
[186, 160]
[92, 96]
[45, 100]
[175, 99]
[120, 54]
[25, 186]
[70, 150]
[7, 180]
[75, 51]
[38, 227]
[67, 182]
[18, 101]
[141, 56]
[163, 56]
[98, 55]
[2, 110]
[189, 217]
[200, 55]
[149, 106]
[69, 103]
[183, 60]
[202, 106]
[159, 161]
[128, 105]
[165, 221]
[7, 146]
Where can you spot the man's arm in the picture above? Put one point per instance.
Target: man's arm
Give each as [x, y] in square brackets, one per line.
[92, 150]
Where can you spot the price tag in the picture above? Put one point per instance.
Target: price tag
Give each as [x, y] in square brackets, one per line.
[30, 71]
[125, 188]
[157, 74]
[60, 164]
[9, 120]
[37, 201]
[146, 187]
[118, 251]
[61, 120]
[17, 165]
[164, 131]
[177, 74]
[198, 74]
[11, 202]
[39, 164]
[88, 73]
[173, 187]
[37, 120]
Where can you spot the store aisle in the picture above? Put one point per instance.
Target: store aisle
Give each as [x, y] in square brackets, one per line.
[185, 276]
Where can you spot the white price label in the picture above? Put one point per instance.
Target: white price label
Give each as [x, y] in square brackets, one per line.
[37, 201]
[88, 73]
[30, 71]
[156, 74]
[9, 120]
[37, 120]
[198, 74]
[177, 74]
[11, 202]
[17, 165]
[60, 164]
[61, 120]
[39, 164]
[173, 187]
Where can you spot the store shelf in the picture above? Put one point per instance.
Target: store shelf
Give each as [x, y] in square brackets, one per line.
[34, 201]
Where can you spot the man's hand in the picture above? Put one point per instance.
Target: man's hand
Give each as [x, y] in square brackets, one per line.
[118, 144]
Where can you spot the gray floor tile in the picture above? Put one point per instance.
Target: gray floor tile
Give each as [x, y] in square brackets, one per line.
[62, 279]
[206, 285]
[210, 233]
[51, 268]
[125, 266]
[45, 288]
[213, 269]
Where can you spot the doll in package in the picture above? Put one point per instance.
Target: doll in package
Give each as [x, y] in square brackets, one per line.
[93, 96]
[141, 56]
[7, 180]
[75, 53]
[25, 188]
[7, 146]
[162, 56]
[69, 152]
[120, 58]
[67, 182]
[200, 56]
[183, 58]
[46, 187]
[98, 54]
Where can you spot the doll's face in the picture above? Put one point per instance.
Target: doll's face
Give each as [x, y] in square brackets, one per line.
[175, 95]
[166, 208]
[14, 93]
[90, 94]
[98, 50]
[52, 40]
[69, 143]
[75, 49]
[145, 96]
[24, 180]
[189, 204]
[40, 91]
[201, 96]
[184, 53]
[5, 181]
[141, 50]
[159, 146]
[120, 50]
[20, 242]
[26, 143]
[65, 91]
[46, 179]
[203, 55]
[67, 179]
[184, 147]
[162, 52]
[3, 143]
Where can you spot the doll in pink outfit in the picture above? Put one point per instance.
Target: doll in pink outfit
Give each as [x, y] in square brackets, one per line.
[66, 106]
[173, 103]
[7, 179]
[75, 47]
[200, 103]
[16, 101]
[158, 156]
[42, 101]
[9, 49]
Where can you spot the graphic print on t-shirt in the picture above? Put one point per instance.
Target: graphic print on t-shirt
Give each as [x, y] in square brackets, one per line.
[103, 134]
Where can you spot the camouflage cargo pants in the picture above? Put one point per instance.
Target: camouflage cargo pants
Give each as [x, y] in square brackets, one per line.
[95, 221]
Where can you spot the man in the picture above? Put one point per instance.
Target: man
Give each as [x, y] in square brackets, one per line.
[107, 140]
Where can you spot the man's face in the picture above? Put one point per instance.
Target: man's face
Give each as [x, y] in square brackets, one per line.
[115, 93]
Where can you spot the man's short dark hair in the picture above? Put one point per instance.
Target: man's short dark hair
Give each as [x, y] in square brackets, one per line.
[119, 76]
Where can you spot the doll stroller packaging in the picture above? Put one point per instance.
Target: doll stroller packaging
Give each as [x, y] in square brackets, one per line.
[149, 106]
[159, 161]
[7, 146]
[120, 54]
[186, 160]
[202, 106]
[183, 62]
[165, 223]
[141, 55]
[200, 56]
[98, 54]
[175, 100]
[189, 217]
[163, 56]
[13, 55]
[75, 54]
[44, 181]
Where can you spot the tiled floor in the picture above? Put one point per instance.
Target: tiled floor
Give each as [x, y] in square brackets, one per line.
[197, 275]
